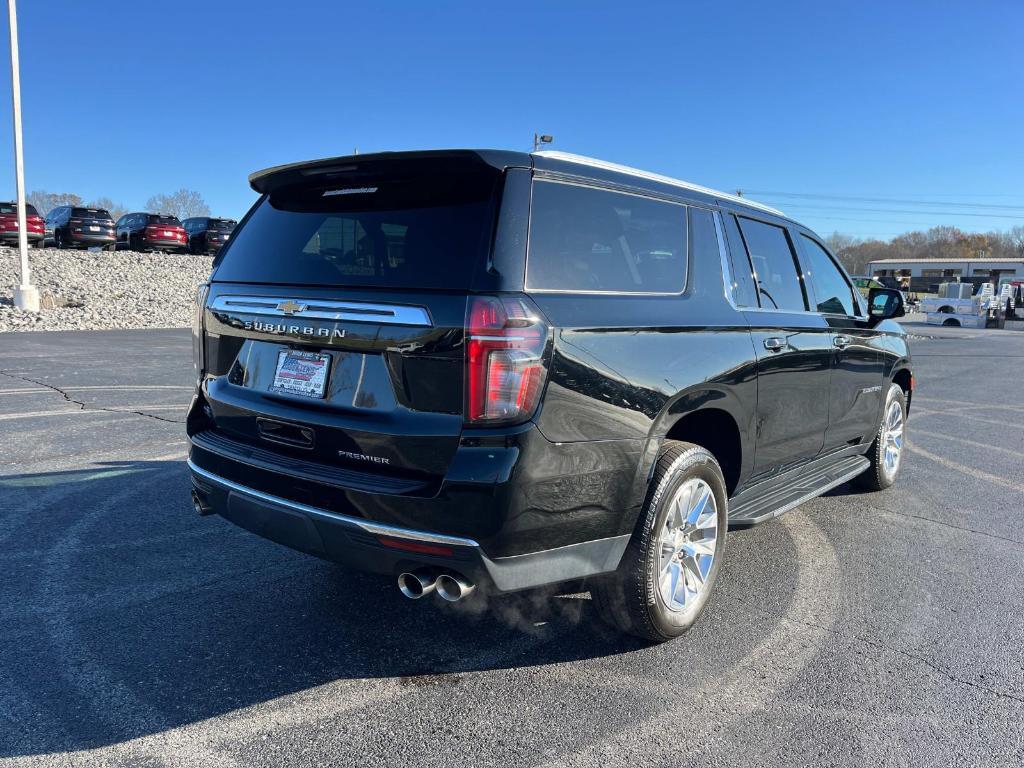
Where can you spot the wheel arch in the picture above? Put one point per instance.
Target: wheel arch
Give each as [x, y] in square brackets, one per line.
[713, 418]
[904, 377]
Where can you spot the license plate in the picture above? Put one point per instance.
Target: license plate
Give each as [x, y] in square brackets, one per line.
[94, 229]
[301, 373]
[168, 233]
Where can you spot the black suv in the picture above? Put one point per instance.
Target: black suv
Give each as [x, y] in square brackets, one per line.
[151, 232]
[496, 370]
[75, 227]
[206, 234]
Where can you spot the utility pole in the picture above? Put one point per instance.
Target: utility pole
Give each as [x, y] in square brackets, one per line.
[26, 296]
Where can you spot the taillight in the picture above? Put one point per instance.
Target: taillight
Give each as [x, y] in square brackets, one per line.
[505, 366]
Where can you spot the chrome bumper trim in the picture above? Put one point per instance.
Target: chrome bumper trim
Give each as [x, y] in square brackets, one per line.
[377, 529]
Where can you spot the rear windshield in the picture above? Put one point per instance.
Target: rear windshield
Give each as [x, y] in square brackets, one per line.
[405, 232]
[221, 225]
[10, 209]
[89, 213]
[164, 221]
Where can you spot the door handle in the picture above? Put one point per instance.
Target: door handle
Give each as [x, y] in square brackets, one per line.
[774, 344]
[842, 341]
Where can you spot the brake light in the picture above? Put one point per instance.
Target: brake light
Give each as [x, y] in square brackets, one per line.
[505, 359]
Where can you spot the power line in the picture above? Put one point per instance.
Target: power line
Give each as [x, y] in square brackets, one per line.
[917, 212]
[901, 201]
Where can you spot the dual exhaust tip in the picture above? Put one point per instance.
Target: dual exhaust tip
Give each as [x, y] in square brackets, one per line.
[449, 586]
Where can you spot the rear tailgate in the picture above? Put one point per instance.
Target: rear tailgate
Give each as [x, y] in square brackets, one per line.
[368, 275]
[389, 401]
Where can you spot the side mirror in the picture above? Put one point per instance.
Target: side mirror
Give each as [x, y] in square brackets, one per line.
[885, 303]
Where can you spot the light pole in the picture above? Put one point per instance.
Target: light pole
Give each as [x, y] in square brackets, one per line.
[539, 139]
[25, 295]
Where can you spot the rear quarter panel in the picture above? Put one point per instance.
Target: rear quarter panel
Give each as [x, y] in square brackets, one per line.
[625, 369]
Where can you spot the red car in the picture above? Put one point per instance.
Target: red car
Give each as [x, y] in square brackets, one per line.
[9, 225]
[151, 232]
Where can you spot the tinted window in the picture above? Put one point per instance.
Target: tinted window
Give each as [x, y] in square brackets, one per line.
[89, 213]
[771, 256]
[164, 221]
[744, 291]
[12, 209]
[831, 291]
[220, 225]
[421, 231]
[704, 247]
[584, 239]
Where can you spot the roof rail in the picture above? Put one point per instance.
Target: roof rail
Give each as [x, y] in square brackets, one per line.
[595, 163]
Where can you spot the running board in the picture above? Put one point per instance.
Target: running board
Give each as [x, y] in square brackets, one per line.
[779, 494]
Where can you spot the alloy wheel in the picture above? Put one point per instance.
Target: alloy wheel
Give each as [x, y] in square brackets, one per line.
[687, 543]
[893, 442]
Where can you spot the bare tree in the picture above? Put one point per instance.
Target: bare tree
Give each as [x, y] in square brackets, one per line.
[46, 201]
[116, 210]
[184, 204]
[1016, 237]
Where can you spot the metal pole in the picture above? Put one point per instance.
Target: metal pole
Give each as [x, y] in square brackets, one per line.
[25, 295]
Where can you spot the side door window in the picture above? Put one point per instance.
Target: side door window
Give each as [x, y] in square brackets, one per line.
[741, 275]
[775, 268]
[832, 293]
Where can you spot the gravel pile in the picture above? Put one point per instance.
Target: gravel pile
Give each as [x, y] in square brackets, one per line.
[95, 290]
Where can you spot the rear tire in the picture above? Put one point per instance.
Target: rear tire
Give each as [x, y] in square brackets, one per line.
[886, 452]
[669, 568]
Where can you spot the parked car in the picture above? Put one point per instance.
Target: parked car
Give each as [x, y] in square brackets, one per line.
[76, 227]
[9, 225]
[497, 370]
[865, 284]
[151, 232]
[207, 234]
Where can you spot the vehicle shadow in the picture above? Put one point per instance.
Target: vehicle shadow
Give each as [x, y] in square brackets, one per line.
[124, 614]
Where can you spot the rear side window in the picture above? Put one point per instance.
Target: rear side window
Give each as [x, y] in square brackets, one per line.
[411, 231]
[771, 256]
[831, 291]
[592, 240]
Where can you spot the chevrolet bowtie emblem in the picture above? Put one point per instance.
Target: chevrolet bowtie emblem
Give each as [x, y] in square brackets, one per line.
[290, 307]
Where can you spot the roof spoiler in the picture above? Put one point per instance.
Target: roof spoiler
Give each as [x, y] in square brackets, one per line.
[352, 167]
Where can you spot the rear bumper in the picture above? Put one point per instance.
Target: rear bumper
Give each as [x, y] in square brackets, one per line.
[153, 243]
[380, 548]
[12, 237]
[89, 238]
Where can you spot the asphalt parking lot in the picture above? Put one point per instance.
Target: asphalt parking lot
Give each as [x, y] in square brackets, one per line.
[856, 629]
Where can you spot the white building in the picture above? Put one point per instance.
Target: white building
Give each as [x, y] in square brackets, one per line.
[944, 269]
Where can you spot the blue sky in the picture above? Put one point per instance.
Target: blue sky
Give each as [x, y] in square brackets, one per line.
[918, 101]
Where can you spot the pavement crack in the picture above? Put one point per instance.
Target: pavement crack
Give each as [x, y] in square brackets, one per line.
[83, 405]
[891, 649]
[944, 524]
